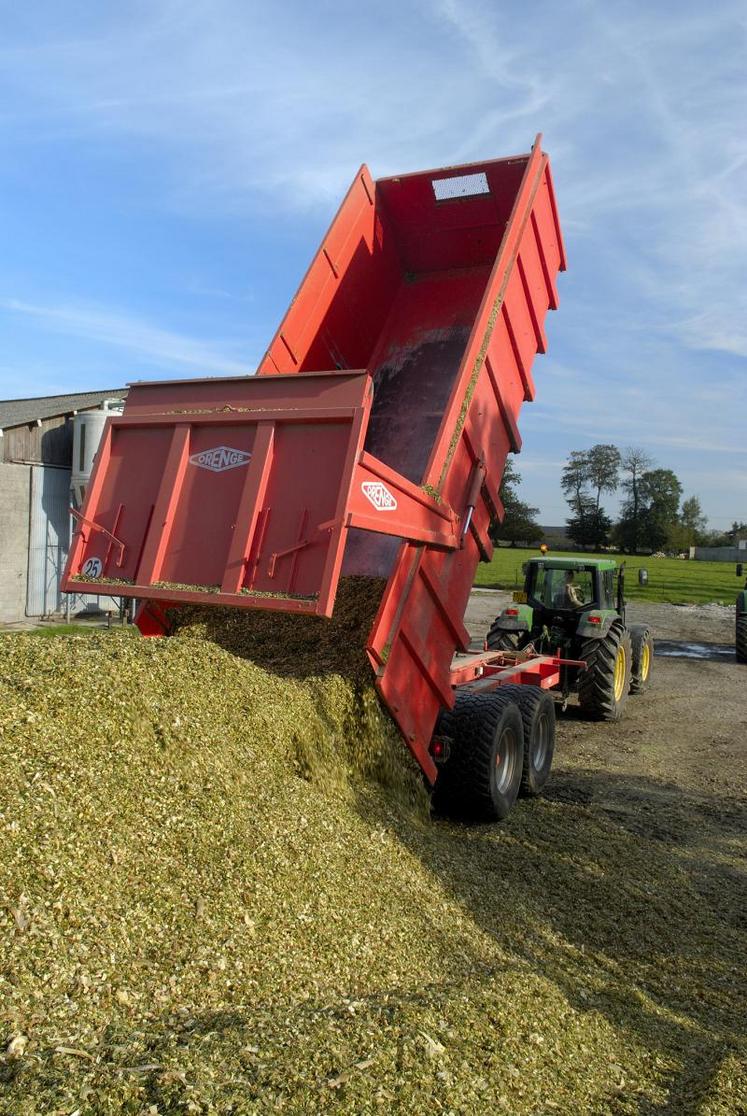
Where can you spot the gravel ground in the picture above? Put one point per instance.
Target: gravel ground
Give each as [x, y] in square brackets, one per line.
[690, 728]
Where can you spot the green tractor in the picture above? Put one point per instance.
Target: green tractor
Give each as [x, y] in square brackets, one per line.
[577, 606]
[741, 630]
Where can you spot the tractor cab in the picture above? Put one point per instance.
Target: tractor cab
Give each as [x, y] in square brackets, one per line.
[569, 585]
[563, 599]
[566, 594]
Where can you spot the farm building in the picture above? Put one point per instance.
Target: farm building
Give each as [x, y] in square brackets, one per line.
[736, 553]
[36, 472]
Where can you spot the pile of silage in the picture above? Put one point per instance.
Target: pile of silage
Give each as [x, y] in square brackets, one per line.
[348, 733]
[294, 644]
[211, 904]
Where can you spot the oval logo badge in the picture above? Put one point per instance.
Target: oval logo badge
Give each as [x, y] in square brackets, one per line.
[219, 459]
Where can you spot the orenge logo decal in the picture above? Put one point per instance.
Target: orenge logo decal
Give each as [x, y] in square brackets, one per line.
[379, 495]
[220, 459]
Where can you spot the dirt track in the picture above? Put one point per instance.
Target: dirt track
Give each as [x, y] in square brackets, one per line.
[687, 732]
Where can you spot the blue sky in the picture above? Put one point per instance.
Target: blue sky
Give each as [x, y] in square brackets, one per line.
[170, 166]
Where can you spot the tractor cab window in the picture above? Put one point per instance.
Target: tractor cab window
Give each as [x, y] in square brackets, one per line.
[565, 589]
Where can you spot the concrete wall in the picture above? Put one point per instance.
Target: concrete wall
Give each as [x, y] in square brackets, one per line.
[15, 496]
[717, 554]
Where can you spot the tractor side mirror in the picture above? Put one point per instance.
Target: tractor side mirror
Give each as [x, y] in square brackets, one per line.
[643, 576]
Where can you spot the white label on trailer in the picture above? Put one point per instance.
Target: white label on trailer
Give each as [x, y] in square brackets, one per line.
[379, 495]
[92, 567]
[221, 458]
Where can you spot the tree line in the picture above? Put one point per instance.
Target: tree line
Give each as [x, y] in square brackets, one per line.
[651, 517]
[653, 514]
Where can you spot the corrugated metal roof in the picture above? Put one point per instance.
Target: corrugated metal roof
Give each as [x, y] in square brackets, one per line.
[19, 412]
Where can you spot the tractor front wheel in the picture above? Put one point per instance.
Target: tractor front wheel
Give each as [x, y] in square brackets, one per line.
[482, 776]
[642, 646]
[603, 687]
[741, 637]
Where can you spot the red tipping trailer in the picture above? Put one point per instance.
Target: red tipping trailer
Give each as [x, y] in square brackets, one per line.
[372, 440]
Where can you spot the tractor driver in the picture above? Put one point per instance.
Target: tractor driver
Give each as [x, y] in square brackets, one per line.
[572, 594]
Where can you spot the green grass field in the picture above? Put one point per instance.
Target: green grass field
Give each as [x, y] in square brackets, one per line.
[77, 628]
[50, 630]
[669, 579]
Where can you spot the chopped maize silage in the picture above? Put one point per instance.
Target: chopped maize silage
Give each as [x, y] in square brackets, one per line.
[295, 644]
[192, 924]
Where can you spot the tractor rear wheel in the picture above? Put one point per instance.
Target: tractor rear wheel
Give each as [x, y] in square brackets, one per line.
[482, 776]
[642, 646]
[498, 640]
[603, 687]
[741, 637]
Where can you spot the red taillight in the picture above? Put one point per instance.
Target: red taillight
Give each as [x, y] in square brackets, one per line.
[595, 619]
[512, 612]
[440, 750]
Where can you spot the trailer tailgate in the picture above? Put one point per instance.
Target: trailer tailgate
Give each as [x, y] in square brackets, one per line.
[225, 491]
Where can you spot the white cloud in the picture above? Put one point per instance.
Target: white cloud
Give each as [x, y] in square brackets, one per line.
[246, 110]
[129, 333]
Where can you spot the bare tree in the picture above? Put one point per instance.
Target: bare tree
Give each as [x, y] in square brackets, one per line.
[635, 462]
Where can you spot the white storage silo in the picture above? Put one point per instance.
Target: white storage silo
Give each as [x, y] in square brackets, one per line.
[88, 426]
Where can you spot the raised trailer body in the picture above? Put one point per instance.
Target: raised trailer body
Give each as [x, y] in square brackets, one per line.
[372, 440]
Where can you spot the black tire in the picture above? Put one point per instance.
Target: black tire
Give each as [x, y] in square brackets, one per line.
[537, 710]
[642, 646]
[603, 687]
[741, 637]
[498, 640]
[482, 777]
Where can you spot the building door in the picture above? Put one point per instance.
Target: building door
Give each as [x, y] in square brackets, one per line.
[49, 538]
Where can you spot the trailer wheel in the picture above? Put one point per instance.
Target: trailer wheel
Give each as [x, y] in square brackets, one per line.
[603, 687]
[482, 777]
[642, 647]
[498, 640]
[537, 710]
[741, 637]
